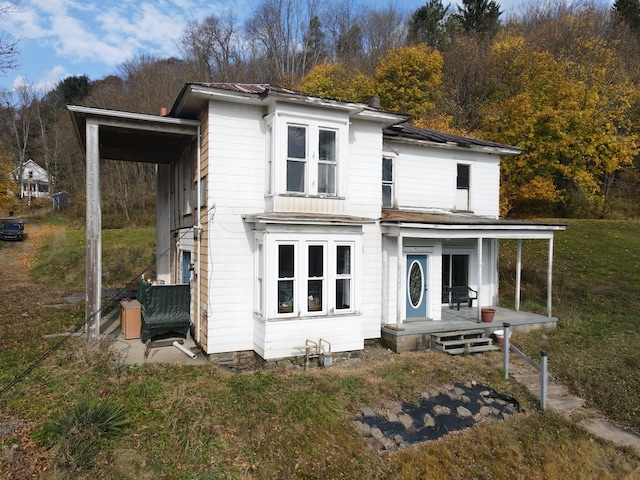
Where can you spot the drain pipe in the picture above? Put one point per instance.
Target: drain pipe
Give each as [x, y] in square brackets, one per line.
[184, 350]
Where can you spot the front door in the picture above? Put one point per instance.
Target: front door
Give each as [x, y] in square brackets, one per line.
[416, 286]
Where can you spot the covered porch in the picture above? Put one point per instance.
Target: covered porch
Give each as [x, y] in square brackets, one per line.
[416, 335]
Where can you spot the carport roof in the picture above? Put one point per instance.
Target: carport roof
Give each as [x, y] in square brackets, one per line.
[134, 137]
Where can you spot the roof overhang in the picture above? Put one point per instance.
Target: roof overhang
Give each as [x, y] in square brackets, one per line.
[194, 97]
[307, 219]
[459, 225]
[134, 137]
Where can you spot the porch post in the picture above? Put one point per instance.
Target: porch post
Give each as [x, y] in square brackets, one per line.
[549, 276]
[163, 223]
[399, 294]
[479, 278]
[94, 234]
[518, 273]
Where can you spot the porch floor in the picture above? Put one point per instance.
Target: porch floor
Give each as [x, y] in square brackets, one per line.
[415, 334]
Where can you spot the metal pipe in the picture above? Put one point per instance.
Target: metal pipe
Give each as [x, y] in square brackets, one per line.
[543, 380]
[184, 350]
[505, 349]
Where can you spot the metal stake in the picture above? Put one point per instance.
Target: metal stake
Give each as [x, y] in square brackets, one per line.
[543, 380]
[505, 349]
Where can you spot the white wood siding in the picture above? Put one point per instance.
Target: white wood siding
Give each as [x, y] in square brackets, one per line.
[425, 178]
[365, 169]
[236, 178]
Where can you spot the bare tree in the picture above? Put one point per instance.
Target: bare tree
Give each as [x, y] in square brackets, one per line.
[282, 32]
[214, 48]
[382, 30]
[18, 114]
[8, 44]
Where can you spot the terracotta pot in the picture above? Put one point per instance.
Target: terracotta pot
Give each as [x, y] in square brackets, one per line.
[487, 314]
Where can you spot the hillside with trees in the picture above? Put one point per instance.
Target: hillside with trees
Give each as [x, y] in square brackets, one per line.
[561, 80]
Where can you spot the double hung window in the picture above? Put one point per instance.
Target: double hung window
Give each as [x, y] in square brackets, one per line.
[314, 278]
[462, 186]
[387, 182]
[312, 160]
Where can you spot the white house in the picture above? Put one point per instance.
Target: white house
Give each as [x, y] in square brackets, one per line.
[303, 221]
[34, 180]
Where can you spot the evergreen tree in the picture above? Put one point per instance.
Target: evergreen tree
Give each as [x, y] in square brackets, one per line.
[426, 24]
[629, 12]
[478, 16]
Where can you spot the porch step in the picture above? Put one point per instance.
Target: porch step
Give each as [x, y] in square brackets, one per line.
[462, 341]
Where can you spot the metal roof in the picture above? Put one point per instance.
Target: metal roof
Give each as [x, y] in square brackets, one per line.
[409, 132]
[455, 219]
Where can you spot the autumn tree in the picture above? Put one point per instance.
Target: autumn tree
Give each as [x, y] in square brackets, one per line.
[409, 80]
[569, 121]
[427, 24]
[336, 81]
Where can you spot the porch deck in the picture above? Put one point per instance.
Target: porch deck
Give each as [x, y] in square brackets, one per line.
[415, 334]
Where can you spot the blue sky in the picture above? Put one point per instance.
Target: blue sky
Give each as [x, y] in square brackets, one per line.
[59, 38]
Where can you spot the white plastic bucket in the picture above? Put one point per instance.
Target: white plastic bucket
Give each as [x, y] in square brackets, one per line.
[499, 334]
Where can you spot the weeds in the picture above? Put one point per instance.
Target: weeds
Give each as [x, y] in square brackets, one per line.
[76, 436]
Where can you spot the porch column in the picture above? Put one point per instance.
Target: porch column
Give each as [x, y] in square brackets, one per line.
[399, 293]
[549, 276]
[518, 273]
[94, 235]
[163, 223]
[479, 278]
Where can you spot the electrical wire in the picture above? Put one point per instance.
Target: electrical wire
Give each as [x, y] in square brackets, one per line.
[111, 303]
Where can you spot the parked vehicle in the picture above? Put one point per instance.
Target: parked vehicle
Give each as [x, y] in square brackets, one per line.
[12, 229]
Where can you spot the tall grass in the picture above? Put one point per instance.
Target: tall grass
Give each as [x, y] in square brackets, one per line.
[596, 297]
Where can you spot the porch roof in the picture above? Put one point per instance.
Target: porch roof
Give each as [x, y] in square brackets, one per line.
[447, 223]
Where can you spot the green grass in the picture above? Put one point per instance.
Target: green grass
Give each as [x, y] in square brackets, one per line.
[126, 254]
[596, 296]
[204, 423]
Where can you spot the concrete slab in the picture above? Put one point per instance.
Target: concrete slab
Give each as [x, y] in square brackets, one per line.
[604, 429]
[134, 352]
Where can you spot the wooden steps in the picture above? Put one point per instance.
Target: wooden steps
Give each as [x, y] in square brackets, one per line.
[462, 341]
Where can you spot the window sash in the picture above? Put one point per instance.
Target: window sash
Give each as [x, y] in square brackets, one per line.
[387, 182]
[463, 177]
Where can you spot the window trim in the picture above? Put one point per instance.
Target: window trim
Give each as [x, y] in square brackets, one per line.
[300, 307]
[313, 125]
[389, 183]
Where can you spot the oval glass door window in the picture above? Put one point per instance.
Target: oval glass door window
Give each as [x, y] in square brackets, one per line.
[416, 282]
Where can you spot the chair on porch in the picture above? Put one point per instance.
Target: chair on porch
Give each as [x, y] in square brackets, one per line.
[458, 295]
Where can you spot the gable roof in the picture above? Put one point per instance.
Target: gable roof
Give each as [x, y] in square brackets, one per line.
[411, 134]
[193, 96]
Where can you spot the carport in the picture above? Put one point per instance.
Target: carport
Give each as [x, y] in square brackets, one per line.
[129, 137]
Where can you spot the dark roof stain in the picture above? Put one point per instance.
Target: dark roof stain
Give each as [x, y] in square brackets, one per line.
[410, 132]
[454, 218]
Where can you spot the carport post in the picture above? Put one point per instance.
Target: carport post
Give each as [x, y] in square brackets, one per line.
[94, 235]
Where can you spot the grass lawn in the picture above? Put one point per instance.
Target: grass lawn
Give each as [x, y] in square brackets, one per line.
[204, 423]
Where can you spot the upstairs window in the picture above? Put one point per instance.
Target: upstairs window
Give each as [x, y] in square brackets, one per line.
[312, 159]
[327, 162]
[462, 187]
[387, 182]
[296, 158]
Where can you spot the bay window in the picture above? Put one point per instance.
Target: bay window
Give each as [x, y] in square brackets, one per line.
[313, 278]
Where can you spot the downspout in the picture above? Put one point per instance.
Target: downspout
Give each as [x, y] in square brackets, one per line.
[198, 309]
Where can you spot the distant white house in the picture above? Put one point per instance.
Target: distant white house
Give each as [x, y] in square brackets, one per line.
[34, 181]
